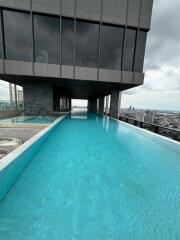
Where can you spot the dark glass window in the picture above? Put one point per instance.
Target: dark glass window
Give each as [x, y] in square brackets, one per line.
[67, 41]
[140, 51]
[87, 44]
[18, 35]
[0, 38]
[129, 49]
[111, 47]
[47, 39]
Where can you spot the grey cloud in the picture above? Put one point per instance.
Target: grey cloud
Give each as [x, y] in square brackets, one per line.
[163, 40]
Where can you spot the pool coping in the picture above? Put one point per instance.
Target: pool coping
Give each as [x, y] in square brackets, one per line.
[141, 129]
[5, 161]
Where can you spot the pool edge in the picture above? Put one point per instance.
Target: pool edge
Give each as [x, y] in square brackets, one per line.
[5, 161]
[141, 129]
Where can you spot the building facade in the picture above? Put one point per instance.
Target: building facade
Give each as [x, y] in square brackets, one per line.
[64, 49]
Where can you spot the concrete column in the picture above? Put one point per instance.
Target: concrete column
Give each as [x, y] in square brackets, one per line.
[15, 94]
[107, 105]
[56, 101]
[63, 103]
[38, 99]
[89, 105]
[67, 103]
[114, 105]
[92, 105]
[101, 105]
[10, 95]
[70, 103]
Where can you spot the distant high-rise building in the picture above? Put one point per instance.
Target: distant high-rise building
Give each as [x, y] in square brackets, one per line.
[149, 116]
[140, 116]
[13, 96]
[20, 99]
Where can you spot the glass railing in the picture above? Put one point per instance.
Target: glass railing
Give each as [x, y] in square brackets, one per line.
[164, 131]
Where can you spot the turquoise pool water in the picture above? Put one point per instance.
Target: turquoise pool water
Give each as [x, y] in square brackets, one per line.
[96, 179]
[28, 120]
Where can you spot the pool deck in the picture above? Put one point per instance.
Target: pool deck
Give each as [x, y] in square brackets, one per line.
[23, 134]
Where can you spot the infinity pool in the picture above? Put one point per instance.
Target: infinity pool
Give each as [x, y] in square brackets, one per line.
[28, 120]
[95, 178]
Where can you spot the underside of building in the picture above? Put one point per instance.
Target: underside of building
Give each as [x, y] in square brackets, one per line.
[65, 49]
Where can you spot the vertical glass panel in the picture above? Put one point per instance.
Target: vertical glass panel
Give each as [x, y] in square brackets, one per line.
[111, 47]
[0, 37]
[140, 51]
[87, 44]
[47, 39]
[129, 49]
[18, 35]
[67, 41]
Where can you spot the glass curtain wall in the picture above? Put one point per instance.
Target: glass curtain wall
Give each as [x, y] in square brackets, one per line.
[0, 37]
[18, 42]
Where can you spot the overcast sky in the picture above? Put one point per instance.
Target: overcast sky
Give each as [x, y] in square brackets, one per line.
[161, 89]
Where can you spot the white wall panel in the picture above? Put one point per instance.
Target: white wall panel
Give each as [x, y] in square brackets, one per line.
[67, 71]
[20, 4]
[138, 78]
[108, 10]
[41, 69]
[23, 4]
[12, 67]
[114, 11]
[18, 67]
[133, 12]
[53, 70]
[47, 6]
[89, 9]
[68, 7]
[146, 13]
[107, 75]
[127, 77]
[85, 73]
[8, 3]
[25, 68]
